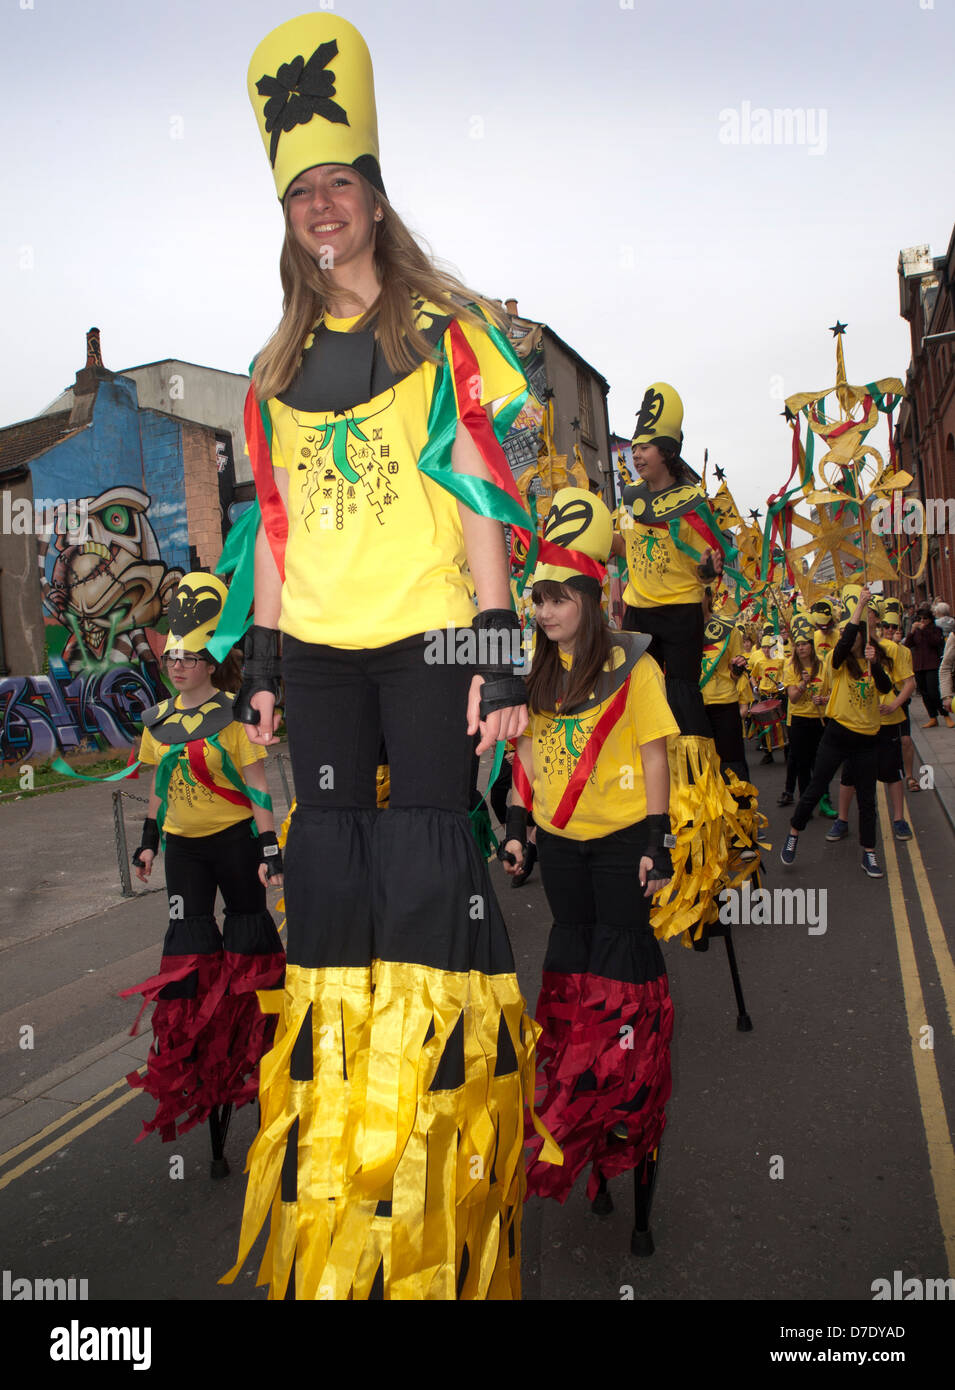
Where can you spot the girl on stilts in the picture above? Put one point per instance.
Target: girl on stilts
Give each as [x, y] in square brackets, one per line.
[594, 766]
[673, 548]
[210, 802]
[390, 1157]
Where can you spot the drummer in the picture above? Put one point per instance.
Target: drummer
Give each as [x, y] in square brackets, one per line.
[766, 674]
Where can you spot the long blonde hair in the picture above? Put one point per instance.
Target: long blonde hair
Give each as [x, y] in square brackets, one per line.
[405, 272]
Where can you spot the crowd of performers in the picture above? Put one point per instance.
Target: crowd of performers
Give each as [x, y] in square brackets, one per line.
[408, 1102]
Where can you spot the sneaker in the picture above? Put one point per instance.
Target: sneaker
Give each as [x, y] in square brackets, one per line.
[902, 830]
[871, 864]
[785, 799]
[838, 830]
[826, 807]
[788, 852]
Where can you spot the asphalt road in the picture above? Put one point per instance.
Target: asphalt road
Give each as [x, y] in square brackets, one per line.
[802, 1160]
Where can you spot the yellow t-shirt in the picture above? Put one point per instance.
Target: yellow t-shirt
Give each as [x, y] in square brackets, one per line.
[900, 670]
[766, 672]
[853, 703]
[804, 707]
[615, 794]
[722, 688]
[191, 809]
[375, 548]
[659, 573]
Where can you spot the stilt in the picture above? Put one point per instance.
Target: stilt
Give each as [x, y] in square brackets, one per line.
[644, 1181]
[602, 1205]
[219, 1117]
[744, 1023]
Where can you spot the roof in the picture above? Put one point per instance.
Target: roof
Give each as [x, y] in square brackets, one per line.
[24, 441]
[181, 362]
[531, 324]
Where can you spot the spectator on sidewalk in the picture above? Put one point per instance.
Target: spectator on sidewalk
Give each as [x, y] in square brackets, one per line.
[943, 618]
[946, 676]
[925, 641]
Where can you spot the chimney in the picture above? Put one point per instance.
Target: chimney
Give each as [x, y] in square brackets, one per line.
[88, 379]
[511, 306]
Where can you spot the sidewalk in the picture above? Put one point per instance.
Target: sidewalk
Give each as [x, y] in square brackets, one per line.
[935, 748]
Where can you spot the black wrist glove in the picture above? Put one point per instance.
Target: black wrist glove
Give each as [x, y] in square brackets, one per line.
[270, 853]
[150, 840]
[261, 670]
[660, 840]
[499, 646]
[515, 828]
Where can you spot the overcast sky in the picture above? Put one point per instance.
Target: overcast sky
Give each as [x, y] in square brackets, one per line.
[576, 156]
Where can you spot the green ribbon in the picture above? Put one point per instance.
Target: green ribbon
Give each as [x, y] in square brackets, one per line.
[64, 768]
[237, 559]
[708, 669]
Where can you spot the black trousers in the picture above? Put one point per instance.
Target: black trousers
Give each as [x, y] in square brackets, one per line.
[838, 745]
[197, 866]
[676, 630]
[889, 757]
[727, 726]
[805, 731]
[601, 917]
[927, 683]
[397, 885]
[340, 703]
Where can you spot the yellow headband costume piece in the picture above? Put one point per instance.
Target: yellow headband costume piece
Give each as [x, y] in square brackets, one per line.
[313, 92]
[194, 613]
[577, 520]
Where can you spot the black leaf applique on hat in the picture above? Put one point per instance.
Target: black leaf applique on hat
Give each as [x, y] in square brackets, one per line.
[650, 408]
[299, 91]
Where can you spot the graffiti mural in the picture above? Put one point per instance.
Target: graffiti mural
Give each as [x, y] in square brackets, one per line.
[67, 712]
[108, 590]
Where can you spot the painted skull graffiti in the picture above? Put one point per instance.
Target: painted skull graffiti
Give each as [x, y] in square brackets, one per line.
[114, 585]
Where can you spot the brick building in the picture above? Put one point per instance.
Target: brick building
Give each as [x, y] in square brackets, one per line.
[926, 426]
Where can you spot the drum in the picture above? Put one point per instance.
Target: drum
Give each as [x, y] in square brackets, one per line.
[767, 712]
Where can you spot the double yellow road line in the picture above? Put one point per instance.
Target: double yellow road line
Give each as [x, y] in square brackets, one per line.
[938, 1135]
[74, 1132]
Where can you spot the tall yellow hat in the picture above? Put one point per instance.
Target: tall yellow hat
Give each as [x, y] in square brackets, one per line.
[577, 520]
[313, 92]
[194, 612]
[660, 415]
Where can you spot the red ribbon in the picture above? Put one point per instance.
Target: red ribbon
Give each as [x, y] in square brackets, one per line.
[473, 416]
[587, 759]
[274, 515]
[521, 784]
[199, 769]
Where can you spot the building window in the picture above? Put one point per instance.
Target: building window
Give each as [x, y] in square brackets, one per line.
[585, 408]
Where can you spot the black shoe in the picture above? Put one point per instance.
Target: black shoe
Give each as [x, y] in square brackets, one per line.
[766, 759]
[530, 859]
[785, 799]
